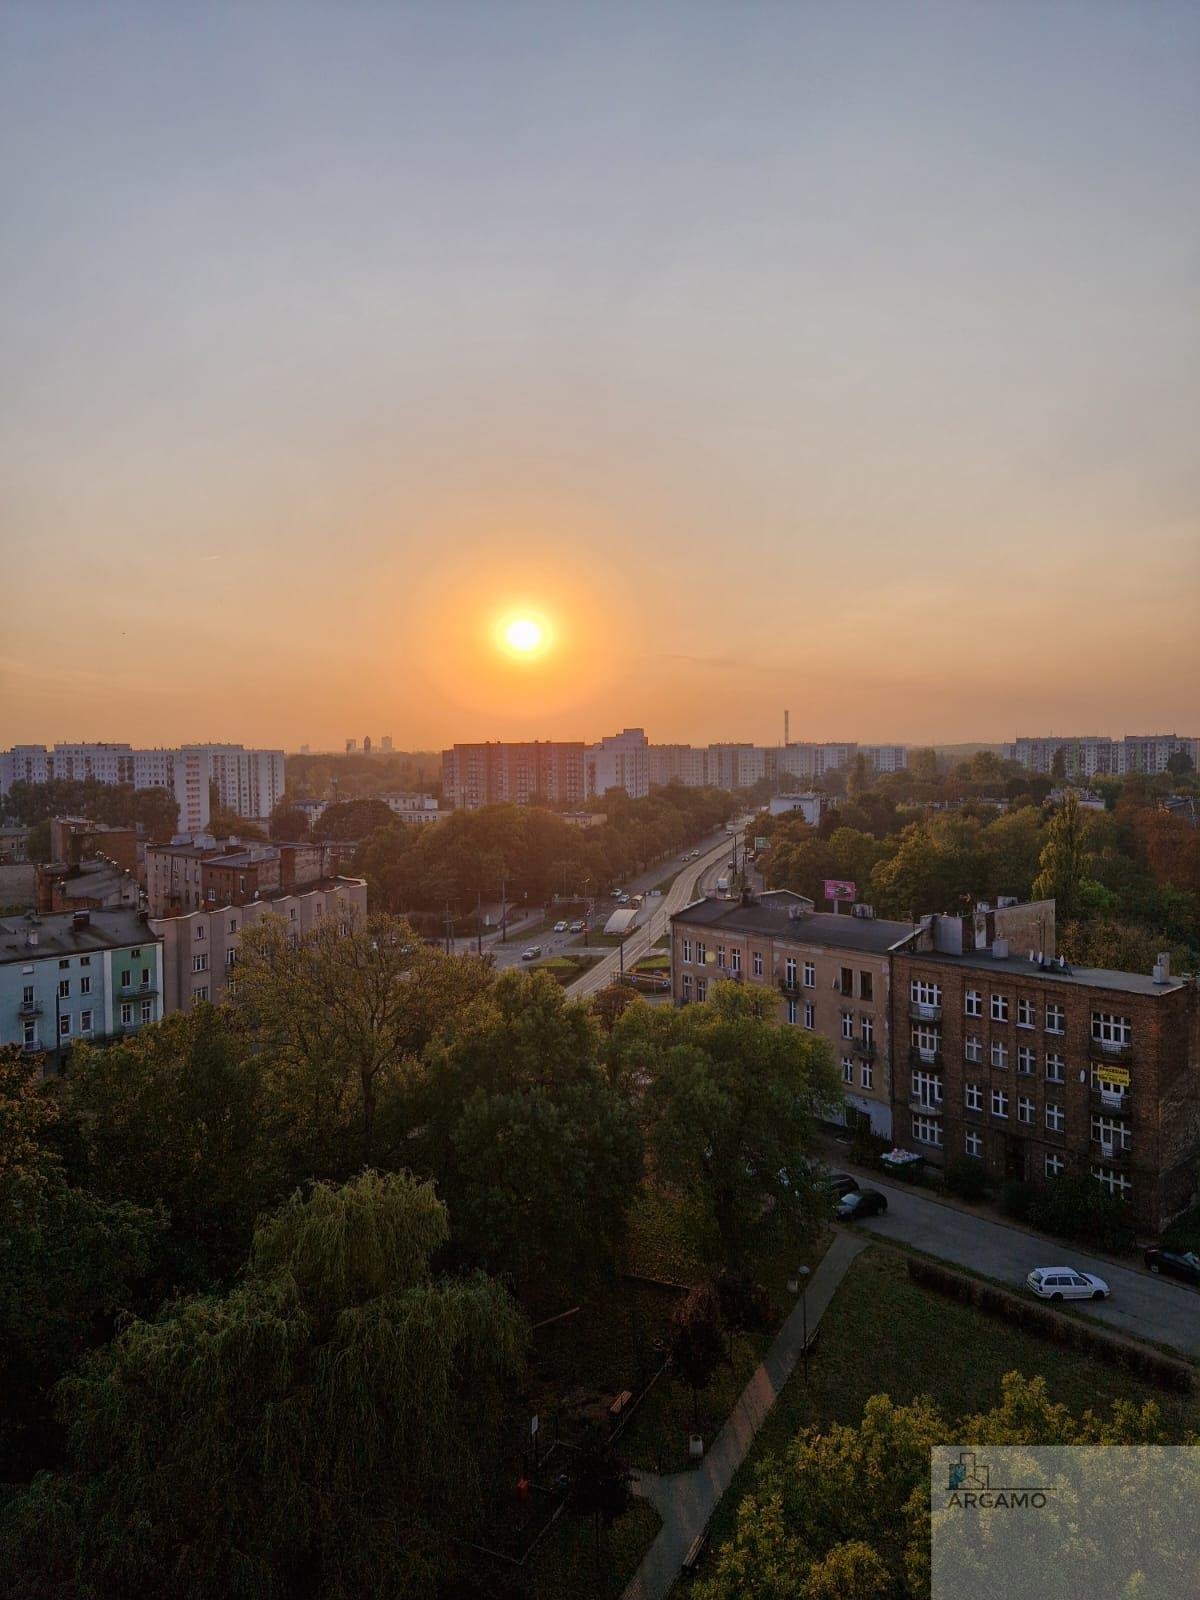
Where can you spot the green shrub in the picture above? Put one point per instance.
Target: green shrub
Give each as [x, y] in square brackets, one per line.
[1184, 1232]
[966, 1176]
[1016, 1198]
[1076, 1207]
[867, 1147]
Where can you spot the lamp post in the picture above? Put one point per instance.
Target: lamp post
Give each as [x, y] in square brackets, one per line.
[804, 1277]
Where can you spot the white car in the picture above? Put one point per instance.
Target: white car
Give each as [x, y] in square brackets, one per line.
[578, 927]
[560, 927]
[1066, 1283]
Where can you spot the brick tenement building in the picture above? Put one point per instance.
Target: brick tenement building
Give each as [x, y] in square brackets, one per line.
[1038, 1068]
[832, 973]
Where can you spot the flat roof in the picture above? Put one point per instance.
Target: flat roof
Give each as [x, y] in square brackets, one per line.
[770, 914]
[112, 928]
[1017, 965]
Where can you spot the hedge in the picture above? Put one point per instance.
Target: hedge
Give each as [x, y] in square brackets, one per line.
[1033, 1317]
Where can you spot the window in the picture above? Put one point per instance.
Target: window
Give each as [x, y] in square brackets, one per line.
[846, 981]
[1025, 1109]
[1111, 1032]
[199, 930]
[233, 928]
[974, 1003]
[701, 989]
[999, 1008]
[29, 1033]
[1117, 1184]
[701, 954]
[973, 1047]
[64, 1027]
[810, 1015]
[686, 986]
[199, 994]
[922, 993]
[64, 988]
[1026, 1059]
[867, 1029]
[810, 975]
[1056, 1067]
[1056, 1117]
[789, 972]
[847, 1025]
[866, 986]
[27, 995]
[1111, 1135]
[927, 1089]
[85, 983]
[126, 977]
[757, 963]
[85, 961]
[999, 1102]
[127, 1016]
[230, 958]
[973, 1096]
[1054, 1166]
[1024, 1013]
[847, 1069]
[293, 913]
[973, 1143]
[1056, 1018]
[147, 1010]
[866, 1075]
[85, 1022]
[64, 966]
[926, 1042]
[927, 1130]
[1000, 1055]
[735, 961]
[145, 977]
[687, 950]
[793, 1011]
[200, 961]
[721, 957]
[136, 951]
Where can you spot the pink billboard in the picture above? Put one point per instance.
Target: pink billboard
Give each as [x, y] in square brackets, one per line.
[839, 889]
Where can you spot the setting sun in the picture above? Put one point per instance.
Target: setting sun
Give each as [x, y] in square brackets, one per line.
[523, 635]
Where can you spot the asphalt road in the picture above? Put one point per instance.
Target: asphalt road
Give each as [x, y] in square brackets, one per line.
[708, 868]
[1141, 1305]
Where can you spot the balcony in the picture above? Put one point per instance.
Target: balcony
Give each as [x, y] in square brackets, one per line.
[29, 1008]
[790, 987]
[1112, 1155]
[920, 1057]
[918, 1102]
[1117, 1101]
[863, 1047]
[1107, 1050]
[919, 1012]
[129, 991]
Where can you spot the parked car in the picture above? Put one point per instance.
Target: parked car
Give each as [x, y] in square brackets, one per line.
[578, 927]
[1065, 1283]
[861, 1203]
[560, 927]
[841, 1184]
[1183, 1264]
[532, 953]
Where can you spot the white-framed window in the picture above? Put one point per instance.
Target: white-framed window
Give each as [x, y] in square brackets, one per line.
[701, 989]
[1112, 1031]
[233, 925]
[793, 1011]
[200, 961]
[199, 930]
[847, 1025]
[701, 953]
[1026, 1059]
[810, 975]
[1056, 1017]
[973, 1096]
[1026, 1109]
[1056, 1117]
[927, 1089]
[721, 957]
[147, 1010]
[687, 950]
[1000, 1055]
[789, 972]
[64, 965]
[924, 993]
[1025, 1017]
[866, 1075]
[127, 1016]
[999, 1008]
[926, 1041]
[85, 1023]
[686, 986]
[200, 994]
[85, 983]
[974, 1003]
[973, 1047]
[866, 1028]
[64, 1026]
[999, 1102]
[927, 1130]
[1117, 1184]
[1054, 1166]
[1056, 1067]
[230, 958]
[29, 1033]
[757, 963]
[27, 994]
[64, 988]
[810, 1015]
[847, 1069]
[126, 978]
[1108, 1132]
[973, 1143]
[735, 960]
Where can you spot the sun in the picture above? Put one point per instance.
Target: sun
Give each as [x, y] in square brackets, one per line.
[523, 635]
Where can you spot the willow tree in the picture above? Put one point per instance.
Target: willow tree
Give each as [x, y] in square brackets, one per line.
[324, 1430]
[341, 1015]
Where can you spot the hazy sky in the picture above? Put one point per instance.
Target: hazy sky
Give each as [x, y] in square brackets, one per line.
[831, 356]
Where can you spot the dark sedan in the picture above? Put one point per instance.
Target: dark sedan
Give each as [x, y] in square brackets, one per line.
[1184, 1264]
[866, 1203]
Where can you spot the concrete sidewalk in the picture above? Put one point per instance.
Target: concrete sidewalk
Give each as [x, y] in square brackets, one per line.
[686, 1500]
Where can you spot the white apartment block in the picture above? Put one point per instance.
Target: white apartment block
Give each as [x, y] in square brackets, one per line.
[1095, 755]
[412, 807]
[249, 782]
[619, 761]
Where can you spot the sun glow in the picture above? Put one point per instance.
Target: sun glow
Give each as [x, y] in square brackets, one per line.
[523, 635]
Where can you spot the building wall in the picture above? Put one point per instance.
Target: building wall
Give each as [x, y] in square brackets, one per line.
[108, 992]
[514, 773]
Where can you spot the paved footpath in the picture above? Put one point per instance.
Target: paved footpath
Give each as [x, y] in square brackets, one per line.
[686, 1500]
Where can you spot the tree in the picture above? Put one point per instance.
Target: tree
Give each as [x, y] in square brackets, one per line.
[697, 1340]
[729, 1102]
[353, 819]
[288, 824]
[1179, 763]
[1062, 865]
[37, 841]
[326, 1428]
[1058, 767]
[600, 1484]
[342, 1015]
[923, 765]
[536, 1155]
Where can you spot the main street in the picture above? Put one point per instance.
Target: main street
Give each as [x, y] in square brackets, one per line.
[1142, 1306]
[657, 913]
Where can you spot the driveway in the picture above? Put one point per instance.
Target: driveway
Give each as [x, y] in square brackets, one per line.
[1142, 1306]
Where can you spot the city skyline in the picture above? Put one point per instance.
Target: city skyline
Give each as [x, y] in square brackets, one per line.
[834, 357]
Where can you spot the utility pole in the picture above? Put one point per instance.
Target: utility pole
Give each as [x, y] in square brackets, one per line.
[479, 920]
[503, 908]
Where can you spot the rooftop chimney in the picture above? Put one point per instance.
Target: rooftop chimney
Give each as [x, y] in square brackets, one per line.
[1000, 949]
[1162, 967]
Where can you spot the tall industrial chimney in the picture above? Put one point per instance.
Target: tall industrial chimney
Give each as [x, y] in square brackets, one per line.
[786, 741]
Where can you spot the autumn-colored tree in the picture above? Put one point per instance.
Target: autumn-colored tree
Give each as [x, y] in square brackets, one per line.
[1062, 866]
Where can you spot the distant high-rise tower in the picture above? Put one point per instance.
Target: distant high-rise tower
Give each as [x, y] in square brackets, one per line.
[367, 745]
[351, 746]
[385, 744]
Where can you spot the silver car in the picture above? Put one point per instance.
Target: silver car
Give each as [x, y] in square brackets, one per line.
[1066, 1283]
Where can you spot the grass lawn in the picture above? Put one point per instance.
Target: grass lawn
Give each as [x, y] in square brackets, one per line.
[884, 1334]
[563, 1567]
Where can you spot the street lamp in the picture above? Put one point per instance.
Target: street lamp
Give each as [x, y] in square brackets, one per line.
[804, 1277]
